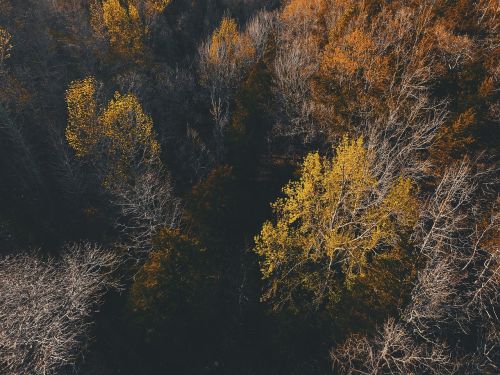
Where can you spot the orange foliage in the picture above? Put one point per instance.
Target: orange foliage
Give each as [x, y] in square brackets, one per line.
[353, 54]
[228, 45]
[455, 139]
[300, 10]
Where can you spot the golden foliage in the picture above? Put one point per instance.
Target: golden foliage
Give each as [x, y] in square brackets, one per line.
[157, 6]
[225, 36]
[128, 128]
[227, 45]
[82, 131]
[125, 23]
[125, 28]
[304, 23]
[122, 128]
[329, 224]
[449, 43]
[355, 51]
[96, 18]
[5, 46]
[375, 54]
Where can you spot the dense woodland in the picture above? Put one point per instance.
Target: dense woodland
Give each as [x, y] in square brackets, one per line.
[249, 187]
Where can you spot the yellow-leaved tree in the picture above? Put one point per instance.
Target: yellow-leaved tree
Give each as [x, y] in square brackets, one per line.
[125, 24]
[227, 49]
[82, 131]
[224, 59]
[333, 228]
[5, 47]
[226, 38]
[130, 131]
[125, 28]
[120, 135]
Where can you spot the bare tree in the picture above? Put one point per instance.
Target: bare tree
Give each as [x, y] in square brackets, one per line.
[296, 61]
[400, 142]
[293, 67]
[46, 306]
[259, 30]
[457, 292]
[456, 297]
[147, 204]
[392, 350]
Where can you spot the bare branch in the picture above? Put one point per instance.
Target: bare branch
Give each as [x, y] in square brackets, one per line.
[46, 306]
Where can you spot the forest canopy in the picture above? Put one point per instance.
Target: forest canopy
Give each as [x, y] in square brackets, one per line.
[249, 187]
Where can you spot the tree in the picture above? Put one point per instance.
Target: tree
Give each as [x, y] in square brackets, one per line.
[172, 279]
[147, 206]
[46, 306]
[227, 45]
[449, 324]
[130, 134]
[340, 65]
[298, 34]
[119, 139]
[172, 302]
[392, 350]
[125, 28]
[330, 226]
[82, 131]
[119, 136]
[126, 24]
[5, 47]
[223, 59]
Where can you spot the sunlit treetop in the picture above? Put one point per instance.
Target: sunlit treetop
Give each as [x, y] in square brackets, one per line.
[124, 122]
[82, 131]
[129, 138]
[225, 36]
[125, 28]
[329, 224]
[122, 130]
[5, 46]
[157, 5]
[357, 52]
[227, 44]
[125, 23]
